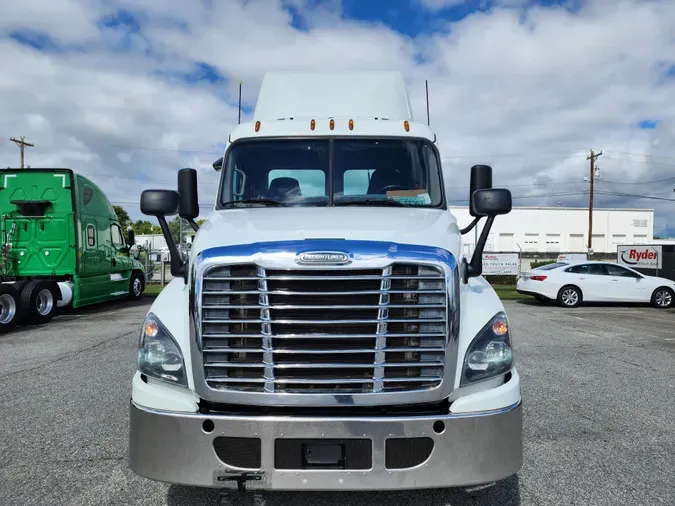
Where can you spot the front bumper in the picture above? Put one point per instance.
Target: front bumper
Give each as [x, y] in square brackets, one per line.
[471, 449]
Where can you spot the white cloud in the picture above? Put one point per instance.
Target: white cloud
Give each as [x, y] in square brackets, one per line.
[529, 97]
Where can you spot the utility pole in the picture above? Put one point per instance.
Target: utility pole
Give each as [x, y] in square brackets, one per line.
[592, 158]
[21, 142]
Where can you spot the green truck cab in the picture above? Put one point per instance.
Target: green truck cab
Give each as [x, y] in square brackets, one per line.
[62, 244]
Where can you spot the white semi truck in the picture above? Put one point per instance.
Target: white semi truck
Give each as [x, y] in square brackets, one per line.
[325, 331]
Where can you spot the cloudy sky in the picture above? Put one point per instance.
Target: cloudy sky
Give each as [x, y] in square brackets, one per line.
[127, 92]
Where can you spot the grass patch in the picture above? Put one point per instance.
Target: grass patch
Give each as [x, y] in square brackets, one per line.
[152, 290]
[508, 292]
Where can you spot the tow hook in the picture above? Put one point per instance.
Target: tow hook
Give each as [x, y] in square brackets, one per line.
[241, 477]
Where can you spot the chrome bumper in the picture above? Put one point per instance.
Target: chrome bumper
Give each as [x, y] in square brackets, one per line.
[471, 449]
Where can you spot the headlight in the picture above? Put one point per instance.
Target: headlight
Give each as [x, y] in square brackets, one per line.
[489, 354]
[158, 354]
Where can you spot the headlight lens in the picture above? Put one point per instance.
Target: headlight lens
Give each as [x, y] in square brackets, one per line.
[490, 352]
[158, 354]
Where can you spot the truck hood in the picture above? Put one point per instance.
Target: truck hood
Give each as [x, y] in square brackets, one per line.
[428, 227]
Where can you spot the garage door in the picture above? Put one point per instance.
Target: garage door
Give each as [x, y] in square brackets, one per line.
[577, 243]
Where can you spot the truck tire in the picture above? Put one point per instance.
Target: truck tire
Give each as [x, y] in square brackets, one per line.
[10, 308]
[136, 285]
[38, 302]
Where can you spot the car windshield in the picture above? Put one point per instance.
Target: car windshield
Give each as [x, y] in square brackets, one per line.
[318, 172]
[549, 267]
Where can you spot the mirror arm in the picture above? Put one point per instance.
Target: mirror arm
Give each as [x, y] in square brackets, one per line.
[475, 267]
[192, 224]
[470, 226]
[177, 264]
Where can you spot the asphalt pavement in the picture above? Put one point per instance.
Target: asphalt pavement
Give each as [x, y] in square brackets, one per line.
[599, 408]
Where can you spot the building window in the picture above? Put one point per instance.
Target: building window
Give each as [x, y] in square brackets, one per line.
[640, 239]
[640, 223]
[91, 236]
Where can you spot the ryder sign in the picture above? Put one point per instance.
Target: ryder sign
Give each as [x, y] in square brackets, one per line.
[642, 256]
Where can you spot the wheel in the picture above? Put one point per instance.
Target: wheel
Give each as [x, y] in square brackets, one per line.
[38, 302]
[662, 298]
[569, 296]
[9, 308]
[136, 286]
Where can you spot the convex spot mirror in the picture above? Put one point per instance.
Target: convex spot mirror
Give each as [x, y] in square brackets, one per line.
[491, 202]
[160, 202]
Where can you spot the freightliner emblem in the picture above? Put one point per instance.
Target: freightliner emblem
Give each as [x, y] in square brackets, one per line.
[322, 258]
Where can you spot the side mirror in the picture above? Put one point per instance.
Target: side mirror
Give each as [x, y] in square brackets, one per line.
[218, 164]
[189, 199]
[160, 202]
[481, 179]
[163, 203]
[131, 237]
[187, 190]
[492, 202]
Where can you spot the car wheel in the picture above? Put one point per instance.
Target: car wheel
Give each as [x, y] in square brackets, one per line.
[569, 296]
[9, 308]
[136, 286]
[662, 298]
[38, 302]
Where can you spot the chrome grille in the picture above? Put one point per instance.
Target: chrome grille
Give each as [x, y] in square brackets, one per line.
[324, 331]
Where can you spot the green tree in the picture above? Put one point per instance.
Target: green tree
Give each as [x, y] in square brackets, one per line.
[122, 216]
[144, 227]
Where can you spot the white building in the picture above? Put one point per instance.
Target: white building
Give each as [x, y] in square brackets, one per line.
[561, 229]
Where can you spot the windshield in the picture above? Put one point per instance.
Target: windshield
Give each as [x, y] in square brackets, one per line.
[549, 267]
[318, 172]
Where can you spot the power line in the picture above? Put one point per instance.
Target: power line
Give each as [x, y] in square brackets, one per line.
[641, 182]
[633, 195]
[644, 162]
[646, 156]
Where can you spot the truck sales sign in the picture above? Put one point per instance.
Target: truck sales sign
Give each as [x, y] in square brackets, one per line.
[641, 256]
[500, 264]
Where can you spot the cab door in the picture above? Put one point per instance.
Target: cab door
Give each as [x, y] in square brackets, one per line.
[120, 264]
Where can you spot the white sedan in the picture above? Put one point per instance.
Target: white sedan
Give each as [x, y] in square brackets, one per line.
[570, 284]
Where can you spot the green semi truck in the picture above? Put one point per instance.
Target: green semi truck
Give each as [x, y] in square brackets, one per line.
[62, 244]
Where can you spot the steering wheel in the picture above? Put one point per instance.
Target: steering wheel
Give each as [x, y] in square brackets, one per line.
[389, 187]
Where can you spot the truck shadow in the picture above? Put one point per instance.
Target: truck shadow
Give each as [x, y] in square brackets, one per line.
[502, 493]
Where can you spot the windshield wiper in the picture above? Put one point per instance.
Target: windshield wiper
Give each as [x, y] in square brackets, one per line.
[375, 202]
[268, 202]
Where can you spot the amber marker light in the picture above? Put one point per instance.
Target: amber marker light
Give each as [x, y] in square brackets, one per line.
[500, 327]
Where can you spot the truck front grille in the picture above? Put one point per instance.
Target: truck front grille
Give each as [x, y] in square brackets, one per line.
[324, 331]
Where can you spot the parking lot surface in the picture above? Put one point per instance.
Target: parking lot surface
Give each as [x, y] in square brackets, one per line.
[598, 392]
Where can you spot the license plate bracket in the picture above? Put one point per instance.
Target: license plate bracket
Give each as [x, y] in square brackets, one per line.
[323, 455]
